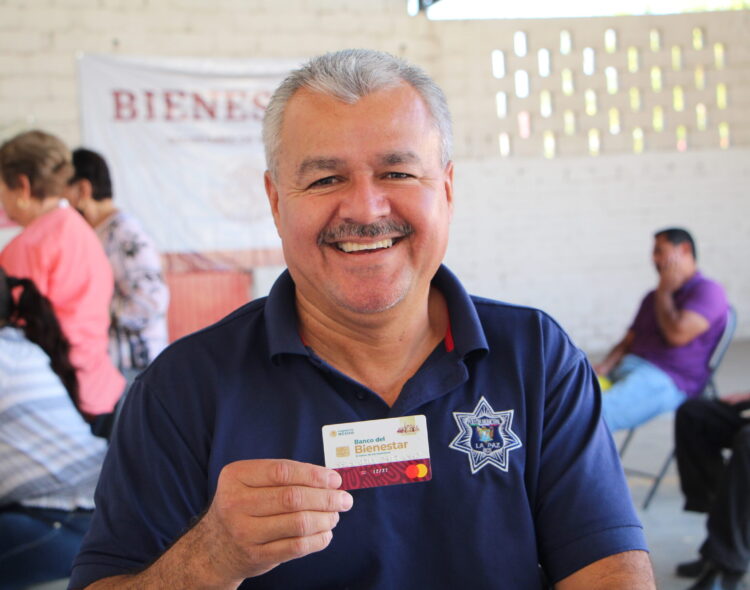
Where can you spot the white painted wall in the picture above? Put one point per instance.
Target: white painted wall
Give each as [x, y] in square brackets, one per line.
[571, 235]
[574, 235]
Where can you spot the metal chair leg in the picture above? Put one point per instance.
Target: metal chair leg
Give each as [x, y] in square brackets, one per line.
[657, 479]
[626, 442]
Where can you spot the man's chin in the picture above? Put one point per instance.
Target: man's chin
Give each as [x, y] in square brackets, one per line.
[369, 301]
[369, 306]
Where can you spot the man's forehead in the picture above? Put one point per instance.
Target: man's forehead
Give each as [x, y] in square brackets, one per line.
[662, 243]
[305, 102]
[311, 141]
[322, 163]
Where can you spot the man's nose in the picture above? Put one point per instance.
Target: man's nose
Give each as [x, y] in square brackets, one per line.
[365, 202]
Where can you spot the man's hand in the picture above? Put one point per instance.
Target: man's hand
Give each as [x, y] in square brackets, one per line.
[269, 511]
[601, 369]
[615, 355]
[678, 327]
[671, 275]
[264, 512]
[736, 398]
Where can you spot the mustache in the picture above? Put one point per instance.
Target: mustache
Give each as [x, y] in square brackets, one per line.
[345, 230]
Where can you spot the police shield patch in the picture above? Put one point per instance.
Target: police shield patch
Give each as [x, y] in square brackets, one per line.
[485, 436]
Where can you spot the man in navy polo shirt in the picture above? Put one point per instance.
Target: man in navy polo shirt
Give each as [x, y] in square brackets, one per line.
[214, 478]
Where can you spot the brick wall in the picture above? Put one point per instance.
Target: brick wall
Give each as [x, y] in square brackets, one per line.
[570, 233]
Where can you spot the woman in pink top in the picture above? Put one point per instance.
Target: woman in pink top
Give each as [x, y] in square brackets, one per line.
[60, 252]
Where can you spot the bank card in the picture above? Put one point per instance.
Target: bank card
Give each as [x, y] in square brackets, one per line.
[378, 452]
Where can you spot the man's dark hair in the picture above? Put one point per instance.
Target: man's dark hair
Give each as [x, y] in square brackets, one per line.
[677, 235]
[92, 167]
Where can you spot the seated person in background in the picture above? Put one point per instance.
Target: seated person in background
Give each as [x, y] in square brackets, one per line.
[663, 358]
[703, 429]
[138, 331]
[61, 254]
[49, 459]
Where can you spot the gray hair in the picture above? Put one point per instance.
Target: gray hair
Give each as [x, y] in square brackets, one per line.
[349, 75]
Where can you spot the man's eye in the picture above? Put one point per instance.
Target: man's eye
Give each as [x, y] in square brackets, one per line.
[398, 175]
[328, 180]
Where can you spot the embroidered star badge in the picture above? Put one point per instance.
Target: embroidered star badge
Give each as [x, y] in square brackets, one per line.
[485, 436]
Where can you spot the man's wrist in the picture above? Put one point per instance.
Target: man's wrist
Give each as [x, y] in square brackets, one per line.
[663, 290]
[212, 565]
[194, 561]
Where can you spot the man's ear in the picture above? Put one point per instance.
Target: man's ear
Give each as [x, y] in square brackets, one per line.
[685, 250]
[273, 197]
[448, 183]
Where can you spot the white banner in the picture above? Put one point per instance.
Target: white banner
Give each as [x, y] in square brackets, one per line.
[183, 141]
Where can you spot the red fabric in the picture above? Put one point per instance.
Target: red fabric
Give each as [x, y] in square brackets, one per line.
[449, 345]
[198, 299]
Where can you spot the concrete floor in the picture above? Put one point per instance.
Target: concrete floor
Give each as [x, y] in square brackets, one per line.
[673, 535]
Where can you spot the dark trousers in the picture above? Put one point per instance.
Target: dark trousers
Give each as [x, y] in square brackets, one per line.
[38, 545]
[703, 428]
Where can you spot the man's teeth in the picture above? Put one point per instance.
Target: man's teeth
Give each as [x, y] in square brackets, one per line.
[356, 247]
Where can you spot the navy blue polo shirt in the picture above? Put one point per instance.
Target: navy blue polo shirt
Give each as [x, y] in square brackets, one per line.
[549, 491]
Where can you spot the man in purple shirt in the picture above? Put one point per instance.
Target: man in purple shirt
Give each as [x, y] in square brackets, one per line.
[663, 358]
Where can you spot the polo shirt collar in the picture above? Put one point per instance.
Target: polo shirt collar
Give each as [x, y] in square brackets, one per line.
[281, 319]
[468, 334]
[283, 333]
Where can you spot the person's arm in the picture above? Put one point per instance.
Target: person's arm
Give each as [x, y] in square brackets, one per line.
[623, 571]
[141, 293]
[678, 326]
[139, 299]
[736, 398]
[615, 355]
[265, 512]
[584, 511]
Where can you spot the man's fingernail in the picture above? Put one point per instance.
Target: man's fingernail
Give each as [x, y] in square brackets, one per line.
[345, 501]
[334, 479]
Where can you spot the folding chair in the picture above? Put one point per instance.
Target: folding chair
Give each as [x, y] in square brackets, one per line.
[709, 391]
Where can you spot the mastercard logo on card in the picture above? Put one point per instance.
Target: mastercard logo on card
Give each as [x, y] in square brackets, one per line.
[417, 471]
[379, 452]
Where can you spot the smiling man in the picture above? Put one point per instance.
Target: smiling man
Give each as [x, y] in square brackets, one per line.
[215, 477]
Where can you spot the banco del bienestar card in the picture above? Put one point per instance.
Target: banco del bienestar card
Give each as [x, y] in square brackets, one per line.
[378, 452]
